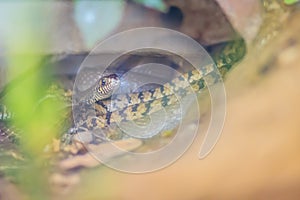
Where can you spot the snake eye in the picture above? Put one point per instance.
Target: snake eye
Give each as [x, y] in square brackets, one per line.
[103, 82]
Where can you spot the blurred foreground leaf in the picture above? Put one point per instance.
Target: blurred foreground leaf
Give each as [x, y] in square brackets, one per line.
[25, 35]
[290, 2]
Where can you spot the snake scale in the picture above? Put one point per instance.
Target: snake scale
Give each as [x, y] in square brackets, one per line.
[136, 105]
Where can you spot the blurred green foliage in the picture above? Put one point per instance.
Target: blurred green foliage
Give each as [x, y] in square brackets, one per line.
[156, 4]
[26, 37]
[290, 2]
[96, 19]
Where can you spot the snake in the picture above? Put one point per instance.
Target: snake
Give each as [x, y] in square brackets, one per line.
[136, 105]
[139, 104]
[132, 106]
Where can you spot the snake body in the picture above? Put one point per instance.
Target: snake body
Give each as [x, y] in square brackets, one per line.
[137, 105]
[127, 107]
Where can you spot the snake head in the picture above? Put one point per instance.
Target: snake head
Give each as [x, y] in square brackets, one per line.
[106, 86]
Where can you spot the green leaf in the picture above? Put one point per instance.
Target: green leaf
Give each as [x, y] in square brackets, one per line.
[290, 2]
